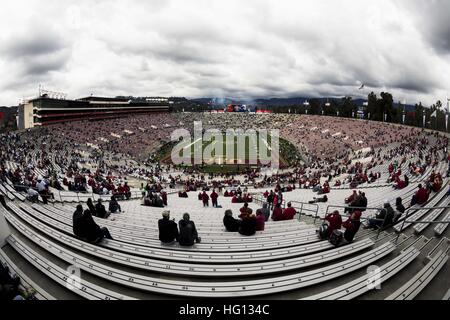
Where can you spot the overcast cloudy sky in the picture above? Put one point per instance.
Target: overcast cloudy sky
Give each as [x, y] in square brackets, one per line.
[225, 48]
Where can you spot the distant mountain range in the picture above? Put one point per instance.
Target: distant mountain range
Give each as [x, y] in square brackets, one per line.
[276, 102]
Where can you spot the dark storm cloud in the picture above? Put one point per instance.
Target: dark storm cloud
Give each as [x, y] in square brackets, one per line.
[433, 21]
[252, 48]
[31, 45]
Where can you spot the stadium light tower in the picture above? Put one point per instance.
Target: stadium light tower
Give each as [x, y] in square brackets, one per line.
[447, 112]
[327, 104]
[306, 104]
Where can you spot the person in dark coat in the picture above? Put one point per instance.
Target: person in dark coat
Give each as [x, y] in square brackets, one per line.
[77, 222]
[231, 224]
[384, 219]
[101, 210]
[400, 208]
[168, 230]
[92, 231]
[114, 206]
[188, 232]
[270, 199]
[91, 207]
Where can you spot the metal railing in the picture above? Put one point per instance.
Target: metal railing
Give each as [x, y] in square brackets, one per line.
[413, 210]
[302, 207]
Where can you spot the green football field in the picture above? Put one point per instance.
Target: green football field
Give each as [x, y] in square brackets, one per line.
[249, 149]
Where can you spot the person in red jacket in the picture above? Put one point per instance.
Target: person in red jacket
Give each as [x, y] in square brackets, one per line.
[260, 220]
[334, 221]
[214, 197]
[289, 212]
[277, 213]
[245, 210]
[205, 199]
[127, 191]
[164, 197]
[421, 196]
[352, 197]
[352, 226]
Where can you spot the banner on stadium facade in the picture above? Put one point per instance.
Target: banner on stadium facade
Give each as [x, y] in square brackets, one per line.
[404, 117]
[385, 117]
[446, 122]
[424, 119]
[264, 111]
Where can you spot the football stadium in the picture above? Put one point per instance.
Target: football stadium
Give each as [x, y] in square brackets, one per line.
[313, 195]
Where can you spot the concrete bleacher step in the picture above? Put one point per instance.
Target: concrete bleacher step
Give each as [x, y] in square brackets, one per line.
[413, 287]
[196, 289]
[80, 286]
[370, 281]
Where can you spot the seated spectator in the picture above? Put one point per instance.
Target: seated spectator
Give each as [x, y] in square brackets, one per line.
[352, 226]
[127, 191]
[248, 225]
[421, 196]
[352, 198]
[9, 285]
[384, 219]
[277, 213]
[114, 206]
[289, 213]
[245, 210]
[324, 199]
[231, 224]
[260, 220]
[32, 195]
[400, 208]
[101, 210]
[77, 222]
[188, 232]
[266, 211]
[183, 194]
[91, 207]
[91, 231]
[334, 221]
[168, 230]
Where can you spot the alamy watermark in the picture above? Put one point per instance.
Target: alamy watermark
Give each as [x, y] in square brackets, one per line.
[235, 146]
[374, 279]
[73, 278]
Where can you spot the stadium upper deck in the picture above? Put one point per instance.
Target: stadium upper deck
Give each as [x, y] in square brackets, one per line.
[44, 110]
